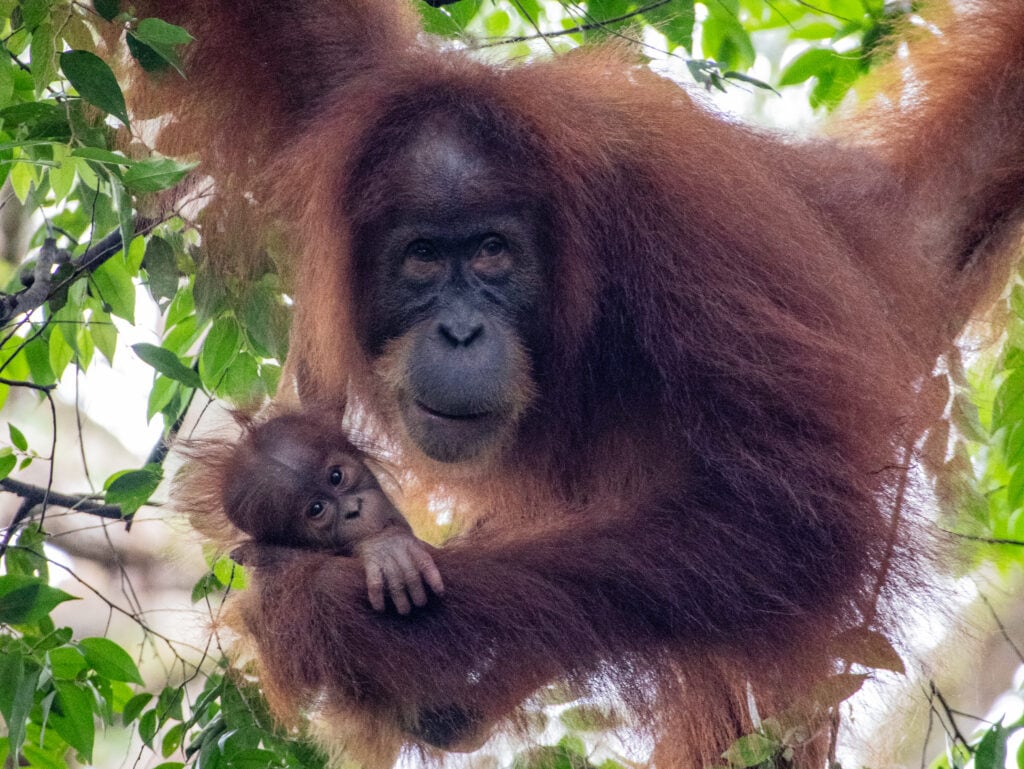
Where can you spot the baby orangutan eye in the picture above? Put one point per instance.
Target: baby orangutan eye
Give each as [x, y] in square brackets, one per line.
[336, 476]
[316, 510]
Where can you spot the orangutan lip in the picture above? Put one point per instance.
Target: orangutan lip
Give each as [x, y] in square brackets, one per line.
[454, 417]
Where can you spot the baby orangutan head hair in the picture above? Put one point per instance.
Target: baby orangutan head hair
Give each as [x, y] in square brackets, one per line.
[293, 480]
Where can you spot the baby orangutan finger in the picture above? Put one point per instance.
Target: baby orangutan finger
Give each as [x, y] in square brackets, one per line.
[427, 568]
[411, 576]
[375, 580]
[396, 586]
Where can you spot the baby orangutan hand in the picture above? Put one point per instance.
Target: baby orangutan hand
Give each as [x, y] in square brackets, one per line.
[396, 560]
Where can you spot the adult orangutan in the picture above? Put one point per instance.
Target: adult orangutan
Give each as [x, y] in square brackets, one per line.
[668, 370]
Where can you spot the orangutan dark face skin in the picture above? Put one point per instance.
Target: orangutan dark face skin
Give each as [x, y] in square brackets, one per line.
[301, 485]
[455, 289]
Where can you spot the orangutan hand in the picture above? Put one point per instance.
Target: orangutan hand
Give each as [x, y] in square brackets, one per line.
[395, 560]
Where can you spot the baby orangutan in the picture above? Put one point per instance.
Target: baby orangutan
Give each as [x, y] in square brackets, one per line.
[296, 481]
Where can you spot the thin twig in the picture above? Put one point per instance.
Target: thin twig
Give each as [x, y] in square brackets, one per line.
[526, 15]
[30, 385]
[822, 11]
[984, 540]
[928, 732]
[1002, 628]
[871, 611]
[574, 30]
[957, 735]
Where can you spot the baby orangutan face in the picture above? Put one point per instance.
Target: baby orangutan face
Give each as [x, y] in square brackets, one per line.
[295, 483]
[337, 500]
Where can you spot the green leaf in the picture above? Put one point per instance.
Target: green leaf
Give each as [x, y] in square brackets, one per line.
[134, 706]
[451, 20]
[104, 334]
[183, 336]
[154, 44]
[229, 573]
[751, 750]
[95, 81]
[168, 364]
[61, 353]
[207, 584]
[1008, 408]
[676, 21]
[27, 558]
[6, 83]
[220, 347]
[148, 59]
[254, 758]
[148, 727]
[115, 287]
[110, 660]
[809, 64]
[156, 174]
[497, 23]
[161, 267]
[25, 599]
[1017, 300]
[156, 32]
[66, 662]
[991, 751]
[37, 355]
[265, 321]
[108, 9]
[43, 52]
[169, 703]
[7, 464]
[73, 717]
[181, 306]
[33, 12]
[23, 178]
[241, 383]
[17, 437]
[62, 177]
[1015, 489]
[172, 740]
[18, 682]
[132, 489]
[164, 391]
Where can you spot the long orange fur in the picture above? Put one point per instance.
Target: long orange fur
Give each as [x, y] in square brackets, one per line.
[745, 330]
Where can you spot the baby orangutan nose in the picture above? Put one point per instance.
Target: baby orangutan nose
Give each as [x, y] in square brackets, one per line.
[353, 508]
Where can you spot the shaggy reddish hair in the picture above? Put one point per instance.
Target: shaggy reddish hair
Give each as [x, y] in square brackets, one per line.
[707, 491]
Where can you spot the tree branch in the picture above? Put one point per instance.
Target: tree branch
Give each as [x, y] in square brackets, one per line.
[33, 496]
[36, 495]
[39, 283]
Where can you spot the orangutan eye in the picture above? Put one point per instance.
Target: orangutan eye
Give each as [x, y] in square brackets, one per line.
[493, 246]
[316, 510]
[421, 249]
[336, 476]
